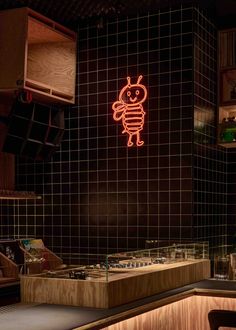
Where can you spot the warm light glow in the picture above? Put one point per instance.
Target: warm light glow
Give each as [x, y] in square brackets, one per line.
[129, 109]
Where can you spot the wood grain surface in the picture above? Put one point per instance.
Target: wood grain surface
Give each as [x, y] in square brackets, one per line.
[53, 64]
[45, 56]
[187, 314]
[9, 268]
[165, 277]
[62, 291]
[119, 289]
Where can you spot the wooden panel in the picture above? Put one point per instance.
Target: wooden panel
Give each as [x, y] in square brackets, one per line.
[52, 25]
[121, 287]
[63, 291]
[170, 317]
[51, 263]
[7, 172]
[198, 316]
[53, 259]
[40, 33]
[189, 313]
[6, 281]
[13, 26]
[147, 284]
[47, 95]
[10, 269]
[53, 64]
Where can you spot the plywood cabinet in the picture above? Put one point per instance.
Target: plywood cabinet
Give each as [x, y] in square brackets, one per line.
[11, 261]
[38, 55]
[120, 287]
[227, 88]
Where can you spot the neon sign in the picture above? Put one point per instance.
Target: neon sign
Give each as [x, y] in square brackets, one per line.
[129, 109]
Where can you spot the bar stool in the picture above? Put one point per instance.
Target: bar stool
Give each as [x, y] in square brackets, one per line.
[221, 318]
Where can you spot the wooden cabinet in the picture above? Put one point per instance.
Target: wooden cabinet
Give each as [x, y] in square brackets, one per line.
[227, 88]
[38, 55]
[16, 259]
[11, 261]
[37, 257]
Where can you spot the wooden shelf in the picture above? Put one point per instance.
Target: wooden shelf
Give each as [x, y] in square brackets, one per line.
[9, 194]
[227, 88]
[43, 89]
[227, 145]
[45, 61]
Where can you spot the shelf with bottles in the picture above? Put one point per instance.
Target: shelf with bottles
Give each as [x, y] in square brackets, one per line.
[227, 88]
[227, 126]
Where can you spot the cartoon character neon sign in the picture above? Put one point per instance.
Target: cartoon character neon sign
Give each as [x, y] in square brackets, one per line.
[129, 109]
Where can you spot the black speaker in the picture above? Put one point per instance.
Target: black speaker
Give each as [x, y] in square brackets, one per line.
[34, 130]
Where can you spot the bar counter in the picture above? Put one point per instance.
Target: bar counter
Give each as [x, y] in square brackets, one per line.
[183, 308]
[179, 309]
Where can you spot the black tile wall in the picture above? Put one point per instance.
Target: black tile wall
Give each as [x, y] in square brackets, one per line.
[130, 194]
[231, 186]
[98, 194]
[210, 161]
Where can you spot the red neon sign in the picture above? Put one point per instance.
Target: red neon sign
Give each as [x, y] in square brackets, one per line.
[129, 109]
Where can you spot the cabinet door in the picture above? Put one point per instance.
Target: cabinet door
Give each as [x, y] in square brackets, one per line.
[13, 29]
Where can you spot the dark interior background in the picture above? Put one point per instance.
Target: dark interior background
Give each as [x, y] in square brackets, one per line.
[100, 196]
[72, 12]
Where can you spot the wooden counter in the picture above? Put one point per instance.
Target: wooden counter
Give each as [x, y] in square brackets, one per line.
[184, 308]
[120, 288]
[179, 309]
[184, 311]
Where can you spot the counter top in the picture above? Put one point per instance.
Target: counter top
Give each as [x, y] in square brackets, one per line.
[60, 317]
[211, 287]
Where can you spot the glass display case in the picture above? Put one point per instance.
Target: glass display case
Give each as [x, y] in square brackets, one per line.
[104, 281]
[108, 267]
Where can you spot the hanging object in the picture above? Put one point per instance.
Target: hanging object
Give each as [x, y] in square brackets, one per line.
[129, 109]
[24, 96]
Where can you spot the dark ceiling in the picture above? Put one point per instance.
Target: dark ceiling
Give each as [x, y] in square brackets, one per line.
[71, 12]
